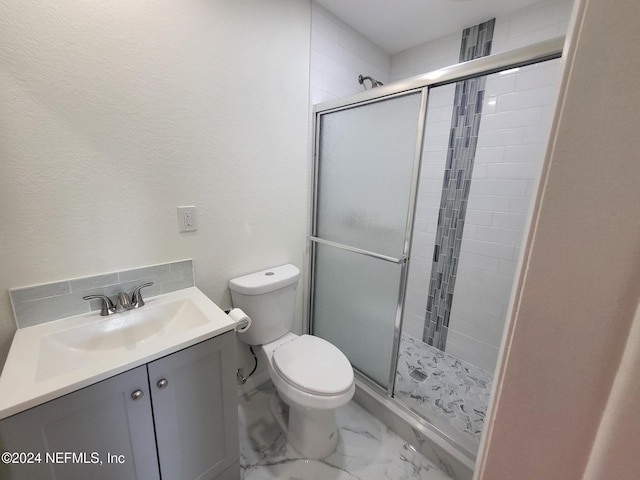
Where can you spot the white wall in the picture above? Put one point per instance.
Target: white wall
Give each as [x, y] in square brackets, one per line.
[567, 368]
[615, 445]
[114, 113]
[338, 55]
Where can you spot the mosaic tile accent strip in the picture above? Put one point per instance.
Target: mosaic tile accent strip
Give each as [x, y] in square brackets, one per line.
[463, 140]
[53, 301]
[451, 394]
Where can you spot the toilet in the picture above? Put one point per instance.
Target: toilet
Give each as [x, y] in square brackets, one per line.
[312, 376]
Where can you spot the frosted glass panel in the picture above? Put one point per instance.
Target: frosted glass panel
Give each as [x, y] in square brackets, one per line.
[355, 304]
[364, 174]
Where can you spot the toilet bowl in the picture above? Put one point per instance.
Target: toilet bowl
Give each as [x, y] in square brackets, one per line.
[312, 377]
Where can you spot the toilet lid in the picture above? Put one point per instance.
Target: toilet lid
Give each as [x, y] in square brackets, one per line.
[314, 365]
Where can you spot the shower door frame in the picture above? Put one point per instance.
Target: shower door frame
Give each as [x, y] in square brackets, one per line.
[536, 53]
[403, 259]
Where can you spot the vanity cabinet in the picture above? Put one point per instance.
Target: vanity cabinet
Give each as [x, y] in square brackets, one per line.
[175, 418]
[102, 418]
[195, 406]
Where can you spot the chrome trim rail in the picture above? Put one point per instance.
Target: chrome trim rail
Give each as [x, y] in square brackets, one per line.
[368, 253]
[535, 53]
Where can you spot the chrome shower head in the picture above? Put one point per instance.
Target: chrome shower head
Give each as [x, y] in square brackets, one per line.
[374, 83]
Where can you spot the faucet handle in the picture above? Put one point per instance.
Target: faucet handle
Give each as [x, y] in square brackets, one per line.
[107, 305]
[136, 296]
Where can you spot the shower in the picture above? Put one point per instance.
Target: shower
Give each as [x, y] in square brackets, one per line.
[374, 83]
[388, 191]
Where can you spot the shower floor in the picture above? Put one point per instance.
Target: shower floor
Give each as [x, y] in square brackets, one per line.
[451, 394]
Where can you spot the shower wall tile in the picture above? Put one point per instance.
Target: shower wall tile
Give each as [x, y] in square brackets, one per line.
[544, 74]
[514, 221]
[492, 184]
[480, 354]
[508, 268]
[488, 248]
[515, 170]
[505, 136]
[426, 57]
[338, 55]
[499, 204]
[511, 119]
[532, 24]
[519, 204]
[538, 22]
[530, 150]
[463, 139]
[495, 145]
[427, 207]
[490, 203]
[487, 154]
[53, 301]
[501, 84]
[524, 98]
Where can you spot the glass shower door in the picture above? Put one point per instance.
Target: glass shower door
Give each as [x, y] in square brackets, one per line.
[366, 162]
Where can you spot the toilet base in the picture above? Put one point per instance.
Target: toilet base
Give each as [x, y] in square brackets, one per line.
[312, 433]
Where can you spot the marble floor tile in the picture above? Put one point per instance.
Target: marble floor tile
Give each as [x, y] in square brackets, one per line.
[367, 449]
[451, 394]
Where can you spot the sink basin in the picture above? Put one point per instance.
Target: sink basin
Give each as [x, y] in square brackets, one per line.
[129, 328]
[65, 350]
[54, 358]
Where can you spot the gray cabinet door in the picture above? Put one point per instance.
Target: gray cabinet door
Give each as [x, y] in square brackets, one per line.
[195, 411]
[98, 433]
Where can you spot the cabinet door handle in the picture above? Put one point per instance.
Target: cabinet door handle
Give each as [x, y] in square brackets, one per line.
[137, 395]
[162, 383]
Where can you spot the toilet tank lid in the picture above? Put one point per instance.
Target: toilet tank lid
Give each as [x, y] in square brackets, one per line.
[266, 280]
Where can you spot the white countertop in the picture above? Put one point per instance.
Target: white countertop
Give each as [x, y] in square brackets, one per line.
[38, 370]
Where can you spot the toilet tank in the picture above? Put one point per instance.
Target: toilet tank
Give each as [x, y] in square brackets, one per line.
[269, 298]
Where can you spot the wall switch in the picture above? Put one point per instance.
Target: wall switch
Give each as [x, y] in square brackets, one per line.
[187, 219]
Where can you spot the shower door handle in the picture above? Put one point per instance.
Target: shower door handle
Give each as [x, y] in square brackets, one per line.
[399, 261]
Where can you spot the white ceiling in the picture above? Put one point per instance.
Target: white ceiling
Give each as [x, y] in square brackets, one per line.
[395, 25]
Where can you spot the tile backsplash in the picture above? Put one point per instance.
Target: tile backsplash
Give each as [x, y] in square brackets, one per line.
[53, 301]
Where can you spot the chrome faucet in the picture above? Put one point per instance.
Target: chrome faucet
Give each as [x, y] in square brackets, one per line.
[123, 302]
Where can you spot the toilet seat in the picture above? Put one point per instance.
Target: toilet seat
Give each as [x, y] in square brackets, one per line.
[314, 366]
